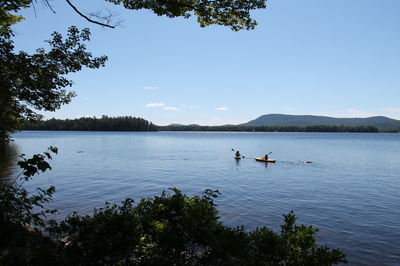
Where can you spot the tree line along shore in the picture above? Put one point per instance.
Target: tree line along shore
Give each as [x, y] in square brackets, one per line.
[129, 123]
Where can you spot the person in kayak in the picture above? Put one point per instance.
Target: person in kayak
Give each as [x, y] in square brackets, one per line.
[266, 157]
[237, 154]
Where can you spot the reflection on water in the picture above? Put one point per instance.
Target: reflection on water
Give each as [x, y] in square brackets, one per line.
[8, 157]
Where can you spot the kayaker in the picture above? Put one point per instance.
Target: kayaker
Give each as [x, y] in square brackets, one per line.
[266, 156]
[237, 154]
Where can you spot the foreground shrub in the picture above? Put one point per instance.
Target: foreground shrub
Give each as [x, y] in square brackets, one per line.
[23, 217]
[175, 229]
[170, 229]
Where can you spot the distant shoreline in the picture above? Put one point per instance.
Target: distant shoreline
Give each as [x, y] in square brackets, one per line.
[135, 124]
[204, 130]
[305, 129]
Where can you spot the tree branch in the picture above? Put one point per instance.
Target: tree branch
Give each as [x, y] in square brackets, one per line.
[86, 17]
[51, 8]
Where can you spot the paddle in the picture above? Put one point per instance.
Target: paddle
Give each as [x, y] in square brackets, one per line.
[265, 155]
[235, 151]
[269, 153]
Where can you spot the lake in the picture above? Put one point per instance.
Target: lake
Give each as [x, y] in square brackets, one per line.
[350, 191]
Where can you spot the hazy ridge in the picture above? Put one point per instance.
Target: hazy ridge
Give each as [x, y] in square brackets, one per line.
[381, 122]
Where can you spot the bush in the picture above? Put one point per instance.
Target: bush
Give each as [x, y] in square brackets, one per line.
[175, 229]
[23, 217]
[170, 229]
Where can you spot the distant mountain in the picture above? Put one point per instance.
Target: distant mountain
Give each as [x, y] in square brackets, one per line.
[381, 122]
[174, 125]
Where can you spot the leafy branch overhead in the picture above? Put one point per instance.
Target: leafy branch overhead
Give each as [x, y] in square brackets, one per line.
[233, 13]
[31, 82]
[45, 74]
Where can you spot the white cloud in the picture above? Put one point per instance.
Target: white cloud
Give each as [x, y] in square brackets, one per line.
[170, 108]
[150, 87]
[152, 105]
[221, 108]
[188, 106]
[392, 110]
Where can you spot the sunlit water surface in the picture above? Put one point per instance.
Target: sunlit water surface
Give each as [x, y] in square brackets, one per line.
[351, 191]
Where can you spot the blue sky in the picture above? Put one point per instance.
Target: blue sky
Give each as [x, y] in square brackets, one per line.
[337, 58]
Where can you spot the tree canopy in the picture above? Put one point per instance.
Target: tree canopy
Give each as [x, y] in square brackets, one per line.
[233, 13]
[33, 82]
[105, 123]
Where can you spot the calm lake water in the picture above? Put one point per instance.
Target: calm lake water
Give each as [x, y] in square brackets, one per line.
[351, 192]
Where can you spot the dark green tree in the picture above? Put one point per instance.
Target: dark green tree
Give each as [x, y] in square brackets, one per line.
[31, 82]
[23, 216]
[37, 81]
[105, 123]
[175, 229]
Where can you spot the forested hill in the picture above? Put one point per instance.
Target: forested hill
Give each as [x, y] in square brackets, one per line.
[380, 122]
[232, 128]
[105, 123]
